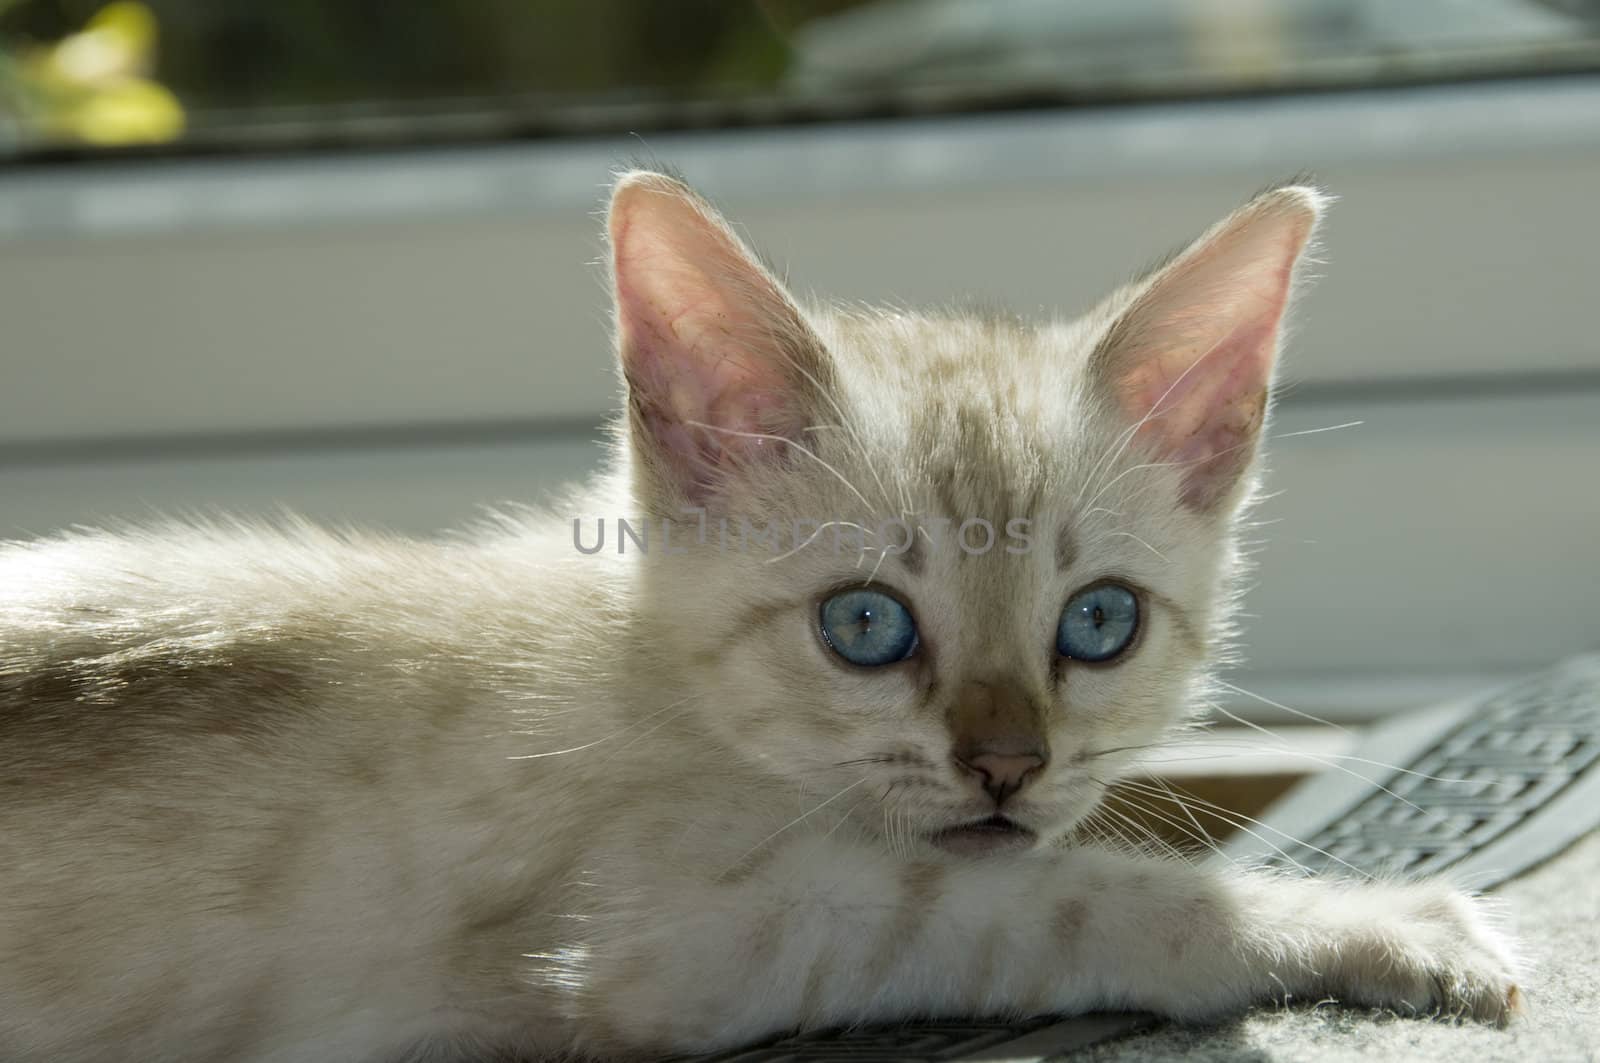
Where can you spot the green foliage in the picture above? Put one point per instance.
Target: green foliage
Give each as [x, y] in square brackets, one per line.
[267, 53]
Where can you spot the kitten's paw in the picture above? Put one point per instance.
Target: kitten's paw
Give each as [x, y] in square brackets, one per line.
[1429, 950]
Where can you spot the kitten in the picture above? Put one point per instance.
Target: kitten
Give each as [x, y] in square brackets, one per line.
[802, 745]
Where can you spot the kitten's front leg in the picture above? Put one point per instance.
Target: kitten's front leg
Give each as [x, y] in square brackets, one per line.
[1422, 948]
[829, 935]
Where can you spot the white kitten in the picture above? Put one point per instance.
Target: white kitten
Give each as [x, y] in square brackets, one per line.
[897, 597]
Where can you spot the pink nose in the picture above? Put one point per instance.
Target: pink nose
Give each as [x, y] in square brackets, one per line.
[1003, 774]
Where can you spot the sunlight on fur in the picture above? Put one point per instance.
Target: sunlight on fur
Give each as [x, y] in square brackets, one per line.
[816, 736]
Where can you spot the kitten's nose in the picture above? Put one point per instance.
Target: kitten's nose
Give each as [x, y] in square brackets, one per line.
[1003, 773]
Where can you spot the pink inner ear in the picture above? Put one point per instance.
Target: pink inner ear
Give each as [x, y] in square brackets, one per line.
[703, 332]
[1192, 360]
[704, 399]
[1205, 415]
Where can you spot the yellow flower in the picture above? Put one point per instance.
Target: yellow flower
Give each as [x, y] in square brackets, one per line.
[92, 85]
[128, 111]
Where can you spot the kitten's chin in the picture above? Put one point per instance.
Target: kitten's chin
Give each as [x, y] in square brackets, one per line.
[986, 837]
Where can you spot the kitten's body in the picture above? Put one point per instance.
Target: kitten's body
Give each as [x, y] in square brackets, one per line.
[282, 795]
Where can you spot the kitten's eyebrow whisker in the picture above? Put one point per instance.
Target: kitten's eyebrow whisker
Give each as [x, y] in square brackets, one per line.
[883, 553]
[844, 423]
[1129, 471]
[792, 443]
[1167, 465]
[813, 537]
[1141, 542]
[1108, 460]
[861, 451]
[1127, 496]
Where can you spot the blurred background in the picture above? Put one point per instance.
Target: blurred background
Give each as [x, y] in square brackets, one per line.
[344, 258]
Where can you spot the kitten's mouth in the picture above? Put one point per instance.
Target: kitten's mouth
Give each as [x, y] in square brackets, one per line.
[997, 834]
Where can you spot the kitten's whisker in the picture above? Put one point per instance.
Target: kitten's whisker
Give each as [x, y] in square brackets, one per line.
[1167, 465]
[1092, 754]
[903, 831]
[1330, 762]
[1123, 839]
[1246, 748]
[1116, 837]
[1139, 803]
[802, 448]
[1115, 450]
[1279, 705]
[764, 842]
[1093, 527]
[1136, 803]
[813, 537]
[1129, 471]
[640, 737]
[1140, 541]
[615, 734]
[1144, 834]
[844, 817]
[1102, 468]
[861, 452]
[844, 423]
[882, 554]
[1316, 431]
[1233, 816]
[1187, 811]
[1098, 832]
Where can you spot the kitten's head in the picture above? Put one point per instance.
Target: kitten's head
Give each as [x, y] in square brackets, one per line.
[949, 570]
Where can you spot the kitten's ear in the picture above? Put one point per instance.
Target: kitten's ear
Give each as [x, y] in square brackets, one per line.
[721, 367]
[1189, 362]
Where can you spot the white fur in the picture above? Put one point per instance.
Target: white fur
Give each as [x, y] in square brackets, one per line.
[276, 794]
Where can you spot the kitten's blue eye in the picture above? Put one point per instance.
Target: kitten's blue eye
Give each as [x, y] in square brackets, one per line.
[1098, 623]
[868, 628]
